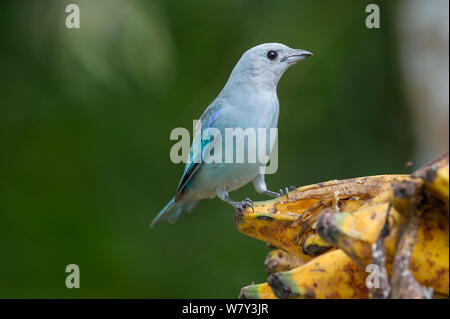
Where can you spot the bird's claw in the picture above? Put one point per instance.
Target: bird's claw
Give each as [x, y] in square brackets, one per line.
[286, 191]
[240, 206]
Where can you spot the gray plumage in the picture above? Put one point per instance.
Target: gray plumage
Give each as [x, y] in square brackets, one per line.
[248, 100]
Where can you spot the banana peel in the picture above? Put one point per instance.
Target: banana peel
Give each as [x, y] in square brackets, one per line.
[288, 221]
[336, 226]
[355, 233]
[331, 275]
[278, 260]
[257, 291]
[435, 176]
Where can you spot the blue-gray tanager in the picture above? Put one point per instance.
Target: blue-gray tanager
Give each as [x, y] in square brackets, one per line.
[248, 100]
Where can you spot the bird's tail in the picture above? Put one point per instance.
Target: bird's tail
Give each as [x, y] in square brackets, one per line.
[173, 211]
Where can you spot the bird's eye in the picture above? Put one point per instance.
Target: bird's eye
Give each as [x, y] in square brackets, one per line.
[272, 55]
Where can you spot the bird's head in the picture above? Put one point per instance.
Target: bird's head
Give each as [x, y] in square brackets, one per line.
[267, 62]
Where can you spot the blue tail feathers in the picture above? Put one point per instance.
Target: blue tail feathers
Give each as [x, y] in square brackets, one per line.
[173, 211]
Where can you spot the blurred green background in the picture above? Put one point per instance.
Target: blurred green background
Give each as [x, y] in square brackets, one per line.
[86, 115]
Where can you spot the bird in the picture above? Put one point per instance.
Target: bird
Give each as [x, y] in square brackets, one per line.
[248, 100]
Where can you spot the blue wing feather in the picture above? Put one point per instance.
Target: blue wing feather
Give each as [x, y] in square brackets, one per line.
[195, 155]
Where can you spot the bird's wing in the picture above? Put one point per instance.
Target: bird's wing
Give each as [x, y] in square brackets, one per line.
[201, 144]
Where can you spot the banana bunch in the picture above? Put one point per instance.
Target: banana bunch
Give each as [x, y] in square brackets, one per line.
[371, 237]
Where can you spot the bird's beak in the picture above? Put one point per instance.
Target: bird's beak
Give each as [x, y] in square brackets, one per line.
[297, 55]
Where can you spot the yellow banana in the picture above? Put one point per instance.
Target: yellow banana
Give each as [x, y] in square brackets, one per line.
[355, 233]
[330, 229]
[257, 291]
[436, 176]
[287, 222]
[278, 260]
[331, 275]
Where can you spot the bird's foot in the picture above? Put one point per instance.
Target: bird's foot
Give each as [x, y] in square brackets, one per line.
[286, 191]
[240, 206]
[282, 192]
[271, 194]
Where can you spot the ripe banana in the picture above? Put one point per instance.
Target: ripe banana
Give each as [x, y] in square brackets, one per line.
[331, 275]
[335, 229]
[278, 260]
[288, 222]
[257, 291]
